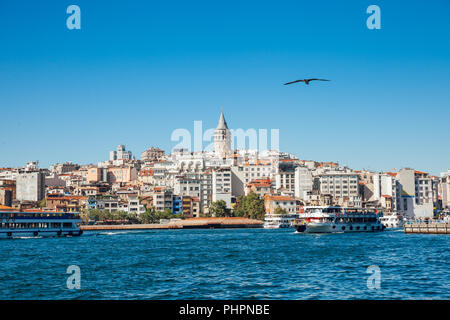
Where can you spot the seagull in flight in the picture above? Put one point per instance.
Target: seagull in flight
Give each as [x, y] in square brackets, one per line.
[306, 81]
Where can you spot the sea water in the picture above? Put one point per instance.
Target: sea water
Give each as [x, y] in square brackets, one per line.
[227, 264]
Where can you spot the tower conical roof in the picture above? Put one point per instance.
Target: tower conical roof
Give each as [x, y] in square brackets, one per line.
[222, 123]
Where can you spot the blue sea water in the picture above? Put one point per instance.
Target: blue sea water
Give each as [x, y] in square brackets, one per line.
[227, 264]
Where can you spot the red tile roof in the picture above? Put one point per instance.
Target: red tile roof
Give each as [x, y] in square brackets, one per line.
[393, 174]
[57, 197]
[278, 198]
[260, 183]
[146, 173]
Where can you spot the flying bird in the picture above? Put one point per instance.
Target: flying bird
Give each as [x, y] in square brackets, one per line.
[306, 81]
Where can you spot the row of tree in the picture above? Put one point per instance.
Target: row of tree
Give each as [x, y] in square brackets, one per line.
[152, 216]
[104, 216]
[249, 206]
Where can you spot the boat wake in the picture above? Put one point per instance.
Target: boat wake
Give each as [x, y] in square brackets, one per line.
[37, 237]
[116, 233]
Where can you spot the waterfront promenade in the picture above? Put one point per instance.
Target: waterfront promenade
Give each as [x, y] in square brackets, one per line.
[431, 227]
[193, 223]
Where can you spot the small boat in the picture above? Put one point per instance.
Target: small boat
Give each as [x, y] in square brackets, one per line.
[277, 221]
[328, 219]
[392, 220]
[15, 224]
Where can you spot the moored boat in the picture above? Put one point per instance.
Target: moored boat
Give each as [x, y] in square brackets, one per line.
[15, 224]
[323, 219]
[276, 221]
[392, 220]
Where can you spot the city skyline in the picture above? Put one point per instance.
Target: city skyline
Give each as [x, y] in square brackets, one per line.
[134, 75]
[136, 154]
[222, 124]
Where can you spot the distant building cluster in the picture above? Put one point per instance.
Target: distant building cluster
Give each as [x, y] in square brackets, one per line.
[187, 183]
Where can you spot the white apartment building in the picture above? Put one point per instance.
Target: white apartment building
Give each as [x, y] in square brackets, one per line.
[258, 170]
[197, 185]
[303, 183]
[340, 185]
[120, 154]
[417, 193]
[162, 199]
[271, 202]
[152, 154]
[387, 190]
[64, 167]
[445, 189]
[111, 204]
[188, 185]
[134, 205]
[285, 178]
[30, 186]
[221, 185]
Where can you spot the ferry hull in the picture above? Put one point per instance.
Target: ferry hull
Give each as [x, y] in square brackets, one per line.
[14, 233]
[277, 226]
[300, 228]
[318, 228]
[340, 228]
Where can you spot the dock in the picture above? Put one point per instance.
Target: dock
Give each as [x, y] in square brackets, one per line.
[431, 227]
[192, 223]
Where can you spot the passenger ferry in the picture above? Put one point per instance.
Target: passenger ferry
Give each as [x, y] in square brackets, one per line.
[15, 224]
[322, 219]
[392, 220]
[276, 221]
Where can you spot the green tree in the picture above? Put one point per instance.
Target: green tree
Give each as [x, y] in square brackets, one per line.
[250, 206]
[219, 209]
[148, 216]
[152, 216]
[133, 217]
[42, 203]
[121, 215]
[95, 214]
[204, 214]
[279, 210]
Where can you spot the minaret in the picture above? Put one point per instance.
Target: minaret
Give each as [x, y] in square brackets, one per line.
[222, 138]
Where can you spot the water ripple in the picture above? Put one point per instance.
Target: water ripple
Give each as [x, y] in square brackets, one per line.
[226, 264]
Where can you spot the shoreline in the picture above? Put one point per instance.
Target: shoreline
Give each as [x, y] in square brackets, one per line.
[192, 223]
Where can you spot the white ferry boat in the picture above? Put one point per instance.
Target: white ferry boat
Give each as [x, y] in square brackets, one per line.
[15, 224]
[276, 221]
[392, 220]
[321, 219]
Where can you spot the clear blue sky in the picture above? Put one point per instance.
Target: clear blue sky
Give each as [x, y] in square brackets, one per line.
[137, 70]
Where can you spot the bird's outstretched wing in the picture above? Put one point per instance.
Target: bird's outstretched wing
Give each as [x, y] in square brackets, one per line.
[294, 81]
[318, 79]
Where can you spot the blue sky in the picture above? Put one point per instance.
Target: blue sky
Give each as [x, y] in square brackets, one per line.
[137, 70]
